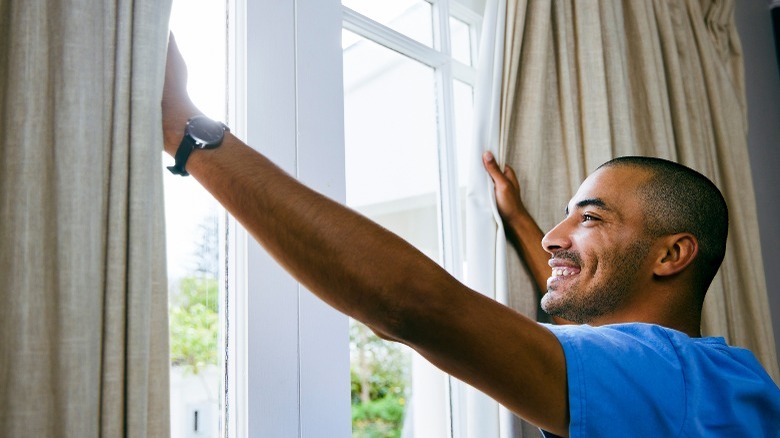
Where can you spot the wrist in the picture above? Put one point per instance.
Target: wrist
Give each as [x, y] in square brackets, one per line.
[174, 120]
[200, 132]
[521, 223]
[517, 217]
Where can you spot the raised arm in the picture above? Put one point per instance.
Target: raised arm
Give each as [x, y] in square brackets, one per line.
[520, 227]
[372, 275]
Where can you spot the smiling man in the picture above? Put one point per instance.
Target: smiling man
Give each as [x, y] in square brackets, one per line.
[631, 261]
[637, 369]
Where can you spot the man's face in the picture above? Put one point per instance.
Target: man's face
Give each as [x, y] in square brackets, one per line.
[599, 251]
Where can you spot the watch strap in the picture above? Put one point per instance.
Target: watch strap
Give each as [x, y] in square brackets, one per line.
[186, 147]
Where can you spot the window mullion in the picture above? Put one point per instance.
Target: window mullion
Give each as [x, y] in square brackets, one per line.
[448, 186]
[464, 73]
[370, 29]
[448, 182]
[463, 13]
[441, 27]
[448, 178]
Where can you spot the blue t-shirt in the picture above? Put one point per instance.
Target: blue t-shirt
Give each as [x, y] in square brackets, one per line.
[643, 380]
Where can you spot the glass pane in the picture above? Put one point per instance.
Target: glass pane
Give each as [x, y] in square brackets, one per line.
[412, 18]
[460, 40]
[391, 142]
[192, 218]
[391, 177]
[464, 130]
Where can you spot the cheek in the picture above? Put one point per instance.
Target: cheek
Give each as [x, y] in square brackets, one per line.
[597, 265]
[601, 250]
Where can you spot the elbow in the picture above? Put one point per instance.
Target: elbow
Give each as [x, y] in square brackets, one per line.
[385, 336]
[419, 309]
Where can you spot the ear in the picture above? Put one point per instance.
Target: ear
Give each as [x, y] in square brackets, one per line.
[678, 252]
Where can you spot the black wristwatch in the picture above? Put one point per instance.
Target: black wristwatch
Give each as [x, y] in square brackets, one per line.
[200, 133]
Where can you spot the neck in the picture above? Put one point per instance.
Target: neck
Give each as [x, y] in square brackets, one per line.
[671, 307]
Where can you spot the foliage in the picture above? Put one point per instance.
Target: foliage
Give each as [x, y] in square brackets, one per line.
[379, 373]
[379, 370]
[193, 312]
[194, 323]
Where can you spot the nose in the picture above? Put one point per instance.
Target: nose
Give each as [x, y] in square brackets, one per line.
[557, 238]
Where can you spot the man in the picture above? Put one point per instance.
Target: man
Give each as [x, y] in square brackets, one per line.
[606, 270]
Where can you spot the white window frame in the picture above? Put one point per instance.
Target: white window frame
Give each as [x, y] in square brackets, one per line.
[290, 373]
[288, 366]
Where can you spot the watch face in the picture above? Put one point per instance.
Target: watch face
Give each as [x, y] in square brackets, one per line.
[206, 132]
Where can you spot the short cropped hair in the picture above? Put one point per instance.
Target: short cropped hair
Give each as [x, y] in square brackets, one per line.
[679, 199]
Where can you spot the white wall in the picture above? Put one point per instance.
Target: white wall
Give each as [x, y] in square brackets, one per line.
[763, 94]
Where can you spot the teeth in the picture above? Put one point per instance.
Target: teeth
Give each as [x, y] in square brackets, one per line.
[562, 272]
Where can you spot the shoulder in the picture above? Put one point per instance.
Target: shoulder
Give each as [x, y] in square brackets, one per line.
[644, 375]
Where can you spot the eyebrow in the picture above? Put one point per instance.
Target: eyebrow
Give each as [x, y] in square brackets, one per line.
[592, 202]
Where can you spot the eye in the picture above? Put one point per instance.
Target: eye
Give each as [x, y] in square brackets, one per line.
[587, 217]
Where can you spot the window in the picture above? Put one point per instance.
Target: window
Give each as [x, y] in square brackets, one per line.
[286, 362]
[408, 85]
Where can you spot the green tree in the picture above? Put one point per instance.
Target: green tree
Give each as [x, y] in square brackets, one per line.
[194, 323]
[193, 304]
[379, 376]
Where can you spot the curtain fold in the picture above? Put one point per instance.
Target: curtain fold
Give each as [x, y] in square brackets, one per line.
[83, 326]
[586, 81]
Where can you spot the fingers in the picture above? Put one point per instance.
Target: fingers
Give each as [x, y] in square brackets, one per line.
[508, 176]
[511, 176]
[489, 161]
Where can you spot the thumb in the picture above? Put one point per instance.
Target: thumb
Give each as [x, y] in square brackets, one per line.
[489, 161]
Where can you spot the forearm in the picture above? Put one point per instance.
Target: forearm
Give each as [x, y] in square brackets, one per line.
[351, 263]
[526, 236]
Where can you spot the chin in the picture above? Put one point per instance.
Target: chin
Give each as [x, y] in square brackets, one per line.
[549, 304]
[558, 309]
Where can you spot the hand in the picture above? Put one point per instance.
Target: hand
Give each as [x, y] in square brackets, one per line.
[519, 226]
[507, 188]
[177, 107]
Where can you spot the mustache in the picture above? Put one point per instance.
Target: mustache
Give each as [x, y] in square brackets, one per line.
[572, 256]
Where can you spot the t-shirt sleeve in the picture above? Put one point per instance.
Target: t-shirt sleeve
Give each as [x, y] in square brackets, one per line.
[620, 381]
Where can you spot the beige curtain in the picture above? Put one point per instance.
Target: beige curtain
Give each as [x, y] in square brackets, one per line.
[586, 81]
[83, 311]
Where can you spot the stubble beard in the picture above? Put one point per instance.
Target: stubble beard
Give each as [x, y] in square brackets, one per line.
[602, 298]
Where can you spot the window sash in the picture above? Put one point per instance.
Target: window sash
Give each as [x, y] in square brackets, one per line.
[446, 71]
